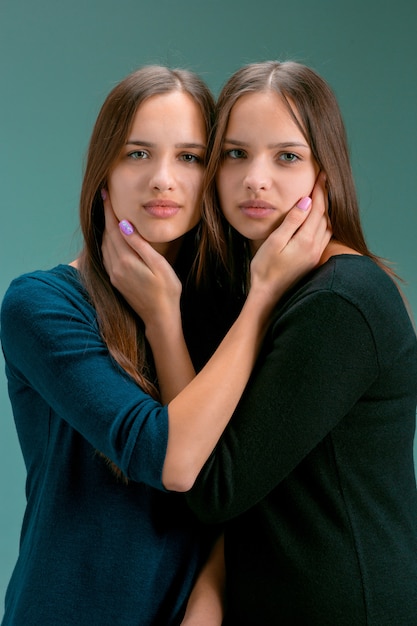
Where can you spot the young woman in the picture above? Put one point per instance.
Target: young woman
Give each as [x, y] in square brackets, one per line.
[313, 478]
[102, 541]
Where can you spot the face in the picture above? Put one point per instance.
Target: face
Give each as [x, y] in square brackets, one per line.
[267, 166]
[157, 179]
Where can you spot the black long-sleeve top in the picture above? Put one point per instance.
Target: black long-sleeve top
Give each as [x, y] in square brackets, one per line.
[314, 476]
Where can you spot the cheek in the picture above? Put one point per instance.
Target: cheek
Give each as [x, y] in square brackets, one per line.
[198, 184]
[115, 183]
[193, 190]
[121, 195]
[301, 184]
[314, 172]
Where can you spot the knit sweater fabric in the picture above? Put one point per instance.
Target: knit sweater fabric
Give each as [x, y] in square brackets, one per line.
[314, 476]
[93, 551]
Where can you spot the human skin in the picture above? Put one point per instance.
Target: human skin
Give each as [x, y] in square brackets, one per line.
[267, 166]
[149, 168]
[288, 254]
[156, 182]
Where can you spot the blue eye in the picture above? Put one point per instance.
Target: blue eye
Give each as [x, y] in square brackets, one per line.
[190, 158]
[289, 157]
[235, 153]
[137, 155]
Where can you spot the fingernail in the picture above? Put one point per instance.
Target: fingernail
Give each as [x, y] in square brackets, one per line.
[304, 204]
[126, 227]
[103, 194]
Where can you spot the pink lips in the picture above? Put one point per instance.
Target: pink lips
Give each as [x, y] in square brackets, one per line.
[161, 208]
[256, 208]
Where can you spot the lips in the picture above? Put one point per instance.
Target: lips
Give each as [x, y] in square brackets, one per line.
[161, 208]
[256, 208]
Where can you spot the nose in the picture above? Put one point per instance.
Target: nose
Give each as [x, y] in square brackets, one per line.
[257, 177]
[162, 177]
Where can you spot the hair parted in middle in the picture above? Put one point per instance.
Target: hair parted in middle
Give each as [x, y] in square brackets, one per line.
[119, 325]
[315, 110]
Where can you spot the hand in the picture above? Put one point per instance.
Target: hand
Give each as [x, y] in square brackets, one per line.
[143, 276]
[294, 248]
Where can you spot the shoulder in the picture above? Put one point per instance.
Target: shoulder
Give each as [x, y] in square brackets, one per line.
[361, 281]
[41, 284]
[41, 295]
[351, 294]
[43, 311]
[347, 286]
[352, 276]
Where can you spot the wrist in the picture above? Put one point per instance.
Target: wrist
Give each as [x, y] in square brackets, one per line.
[262, 300]
[164, 325]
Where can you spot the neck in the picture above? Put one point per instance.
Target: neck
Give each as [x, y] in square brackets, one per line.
[254, 246]
[334, 248]
[169, 250]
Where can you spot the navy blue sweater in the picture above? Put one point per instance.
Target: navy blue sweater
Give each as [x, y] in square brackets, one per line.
[93, 550]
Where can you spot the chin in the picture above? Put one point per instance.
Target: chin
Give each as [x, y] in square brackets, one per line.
[255, 235]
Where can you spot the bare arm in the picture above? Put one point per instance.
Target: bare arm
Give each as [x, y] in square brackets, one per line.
[205, 605]
[151, 287]
[200, 412]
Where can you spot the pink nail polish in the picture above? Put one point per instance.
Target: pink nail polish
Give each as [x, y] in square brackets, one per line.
[304, 204]
[126, 227]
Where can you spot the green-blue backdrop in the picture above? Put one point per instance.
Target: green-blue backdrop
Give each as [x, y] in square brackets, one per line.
[59, 59]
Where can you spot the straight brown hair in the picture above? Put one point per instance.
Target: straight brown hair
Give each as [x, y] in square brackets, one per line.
[121, 329]
[119, 325]
[314, 108]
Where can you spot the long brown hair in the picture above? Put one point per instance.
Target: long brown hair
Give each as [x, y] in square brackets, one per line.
[120, 327]
[315, 110]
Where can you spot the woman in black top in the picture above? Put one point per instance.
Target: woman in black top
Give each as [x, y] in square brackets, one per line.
[313, 478]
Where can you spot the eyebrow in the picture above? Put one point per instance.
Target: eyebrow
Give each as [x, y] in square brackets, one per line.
[283, 144]
[148, 144]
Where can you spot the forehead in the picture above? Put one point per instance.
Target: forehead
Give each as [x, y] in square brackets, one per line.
[174, 110]
[266, 109]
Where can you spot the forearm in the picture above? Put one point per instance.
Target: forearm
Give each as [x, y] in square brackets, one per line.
[200, 413]
[173, 364]
[304, 387]
[205, 606]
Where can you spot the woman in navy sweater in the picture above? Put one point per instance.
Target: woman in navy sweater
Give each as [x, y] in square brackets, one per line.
[102, 541]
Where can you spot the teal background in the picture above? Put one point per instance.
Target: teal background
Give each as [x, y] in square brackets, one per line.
[59, 59]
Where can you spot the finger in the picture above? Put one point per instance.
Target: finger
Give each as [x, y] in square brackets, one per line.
[317, 220]
[122, 233]
[291, 223]
[316, 231]
[319, 195]
[119, 233]
[155, 261]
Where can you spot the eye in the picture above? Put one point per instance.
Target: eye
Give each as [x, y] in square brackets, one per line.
[190, 158]
[235, 153]
[289, 157]
[137, 155]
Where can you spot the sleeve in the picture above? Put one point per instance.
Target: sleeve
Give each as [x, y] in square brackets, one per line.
[318, 359]
[52, 345]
